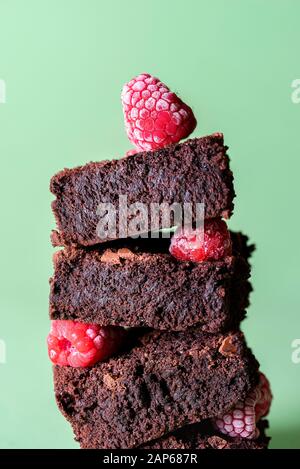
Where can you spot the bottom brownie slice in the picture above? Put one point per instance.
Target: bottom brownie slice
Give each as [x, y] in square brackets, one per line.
[203, 436]
[169, 380]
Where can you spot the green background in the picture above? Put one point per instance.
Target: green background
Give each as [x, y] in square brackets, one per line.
[64, 63]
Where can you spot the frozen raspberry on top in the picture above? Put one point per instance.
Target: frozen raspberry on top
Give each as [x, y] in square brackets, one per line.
[196, 245]
[72, 343]
[241, 421]
[154, 116]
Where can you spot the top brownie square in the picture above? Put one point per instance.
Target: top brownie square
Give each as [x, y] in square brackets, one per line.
[194, 172]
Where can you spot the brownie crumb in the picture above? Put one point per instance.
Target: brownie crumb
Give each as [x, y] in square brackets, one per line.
[217, 442]
[125, 253]
[228, 348]
[110, 257]
[194, 171]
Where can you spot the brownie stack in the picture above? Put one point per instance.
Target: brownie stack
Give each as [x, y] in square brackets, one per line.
[185, 362]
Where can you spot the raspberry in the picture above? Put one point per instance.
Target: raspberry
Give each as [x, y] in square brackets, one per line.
[77, 344]
[241, 421]
[190, 244]
[154, 116]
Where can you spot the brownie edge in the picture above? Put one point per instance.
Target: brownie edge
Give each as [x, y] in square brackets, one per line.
[204, 436]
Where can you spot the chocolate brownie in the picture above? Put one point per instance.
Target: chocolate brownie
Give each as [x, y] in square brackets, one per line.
[169, 380]
[196, 171]
[140, 284]
[203, 436]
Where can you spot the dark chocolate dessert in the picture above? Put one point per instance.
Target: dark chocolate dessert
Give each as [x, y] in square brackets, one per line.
[140, 284]
[145, 332]
[196, 171]
[169, 380]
